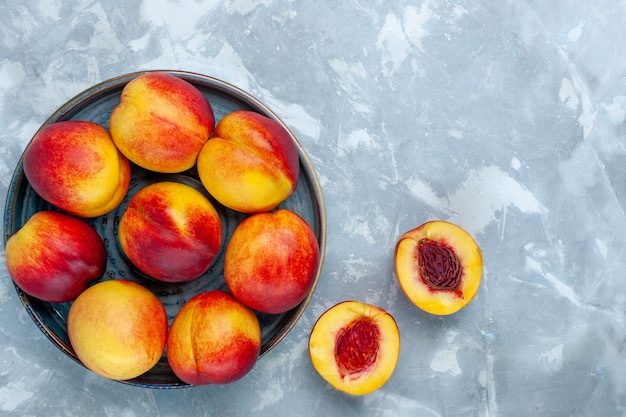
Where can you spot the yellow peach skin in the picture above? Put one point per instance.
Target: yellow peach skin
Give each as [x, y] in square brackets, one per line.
[54, 256]
[75, 166]
[170, 231]
[355, 347]
[439, 301]
[251, 164]
[118, 329]
[271, 261]
[161, 123]
[214, 339]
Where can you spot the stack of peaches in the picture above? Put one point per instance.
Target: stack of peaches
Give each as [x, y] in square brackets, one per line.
[171, 232]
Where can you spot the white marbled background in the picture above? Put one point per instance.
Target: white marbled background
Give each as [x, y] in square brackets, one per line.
[506, 118]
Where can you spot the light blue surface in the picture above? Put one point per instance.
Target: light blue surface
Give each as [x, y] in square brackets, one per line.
[506, 118]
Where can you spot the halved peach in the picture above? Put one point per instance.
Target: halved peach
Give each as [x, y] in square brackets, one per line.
[439, 267]
[355, 347]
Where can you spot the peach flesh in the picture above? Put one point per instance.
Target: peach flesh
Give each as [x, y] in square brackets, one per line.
[355, 346]
[439, 267]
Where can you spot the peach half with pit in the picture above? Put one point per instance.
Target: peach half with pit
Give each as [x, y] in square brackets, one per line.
[355, 347]
[170, 231]
[118, 329]
[438, 266]
[161, 122]
[75, 166]
[251, 164]
[55, 256]
[214, 339]
[271, 261]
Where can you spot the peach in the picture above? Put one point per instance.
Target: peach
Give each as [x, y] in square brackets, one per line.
[118, 329]
[214, 339]
[271, 261]
[438, 266]
[251, 164]
[355, 347]
[75, 166]
[170, 231]
[55, 256]
[161, 122]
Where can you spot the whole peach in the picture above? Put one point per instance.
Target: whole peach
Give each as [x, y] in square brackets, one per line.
[251, 164]
[170, 231]
[54, 256]
[118, 329]
[271, 261]
[75, 166]
[214, 339]
[161, 122]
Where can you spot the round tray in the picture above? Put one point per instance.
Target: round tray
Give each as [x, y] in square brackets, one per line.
[96, 104]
